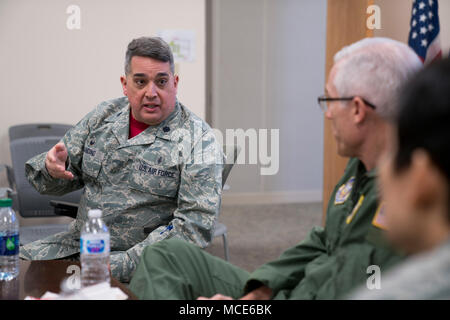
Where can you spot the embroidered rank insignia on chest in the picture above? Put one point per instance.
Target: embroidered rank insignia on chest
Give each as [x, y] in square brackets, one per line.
[344, 191]
[379, 220]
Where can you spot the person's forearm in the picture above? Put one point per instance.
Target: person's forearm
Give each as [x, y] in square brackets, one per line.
[43, 182]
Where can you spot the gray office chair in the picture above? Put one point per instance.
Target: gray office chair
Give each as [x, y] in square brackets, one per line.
[26, 141]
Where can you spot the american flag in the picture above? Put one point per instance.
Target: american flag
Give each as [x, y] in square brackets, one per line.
[424, 33]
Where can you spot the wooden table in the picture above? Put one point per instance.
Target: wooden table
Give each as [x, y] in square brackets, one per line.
[37, 277]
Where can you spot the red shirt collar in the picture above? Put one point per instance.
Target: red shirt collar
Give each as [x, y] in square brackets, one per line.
[136, 127]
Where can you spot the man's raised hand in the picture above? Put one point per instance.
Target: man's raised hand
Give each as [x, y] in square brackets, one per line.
[55, 162]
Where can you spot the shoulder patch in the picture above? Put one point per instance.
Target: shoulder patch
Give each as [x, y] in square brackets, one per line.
[379, 220]
[344, 191]
[355, 209]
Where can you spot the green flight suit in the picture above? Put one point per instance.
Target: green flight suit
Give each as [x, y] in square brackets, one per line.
[329, 263]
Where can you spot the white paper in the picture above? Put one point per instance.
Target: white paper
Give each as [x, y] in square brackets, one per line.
[182, 43]
[101, 291]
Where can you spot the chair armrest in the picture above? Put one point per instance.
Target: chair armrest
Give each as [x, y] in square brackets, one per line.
[9, 192]
[62, 208]
[9, 175]
[5, 193]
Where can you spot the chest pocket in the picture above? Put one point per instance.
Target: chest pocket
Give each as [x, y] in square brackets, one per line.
[155, 179]
[92, 161]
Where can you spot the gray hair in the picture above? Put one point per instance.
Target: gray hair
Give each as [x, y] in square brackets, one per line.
[151, 47]
[375, 69]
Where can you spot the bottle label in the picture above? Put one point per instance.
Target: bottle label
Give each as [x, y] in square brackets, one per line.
[9, 245]
[94, 245]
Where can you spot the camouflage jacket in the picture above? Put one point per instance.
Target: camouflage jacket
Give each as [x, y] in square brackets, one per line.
[168, 178]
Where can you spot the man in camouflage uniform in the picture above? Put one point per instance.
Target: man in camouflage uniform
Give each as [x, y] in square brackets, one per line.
[332, 260]
[167, 178]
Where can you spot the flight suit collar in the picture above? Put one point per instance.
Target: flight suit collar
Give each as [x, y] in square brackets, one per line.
[372, 173]
[362, 170]
[121, 120]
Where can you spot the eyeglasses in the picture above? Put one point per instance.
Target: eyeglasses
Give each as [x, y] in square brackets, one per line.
[323, 101]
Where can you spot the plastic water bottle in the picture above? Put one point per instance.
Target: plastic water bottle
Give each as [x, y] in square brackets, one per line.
[9, 241]
[94, 250]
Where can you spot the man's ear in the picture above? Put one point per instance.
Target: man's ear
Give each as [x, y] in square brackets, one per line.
[358, 110]
[175, 81]
[123, 80]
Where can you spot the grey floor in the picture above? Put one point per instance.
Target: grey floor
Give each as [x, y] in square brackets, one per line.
[260, 233]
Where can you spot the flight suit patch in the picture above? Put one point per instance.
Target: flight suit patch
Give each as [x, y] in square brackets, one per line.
[344, 191]
[380, 217]
[355, 209]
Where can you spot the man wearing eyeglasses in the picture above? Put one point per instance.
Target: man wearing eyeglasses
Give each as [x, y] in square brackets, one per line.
[331, 261]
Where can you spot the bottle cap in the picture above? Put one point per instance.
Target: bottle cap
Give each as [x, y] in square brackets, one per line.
[95, 213]
[5, 202]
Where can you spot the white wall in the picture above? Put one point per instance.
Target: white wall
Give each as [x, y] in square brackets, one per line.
[53, 74]
[268, 69]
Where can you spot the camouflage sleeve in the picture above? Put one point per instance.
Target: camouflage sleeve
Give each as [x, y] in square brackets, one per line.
[43, 182]
[199, 199]
[40, 179]
[74, 139]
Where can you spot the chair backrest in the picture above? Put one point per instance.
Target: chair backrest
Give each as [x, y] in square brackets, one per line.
[231, 152]
[38, 130]
[27, 141]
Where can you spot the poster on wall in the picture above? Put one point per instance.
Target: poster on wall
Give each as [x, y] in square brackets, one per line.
[182, 43]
